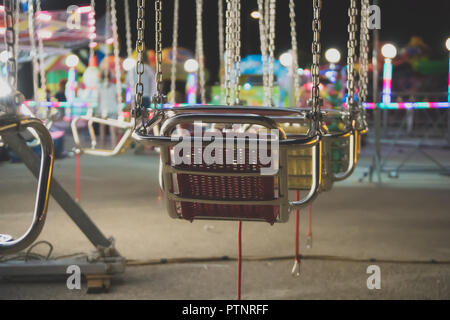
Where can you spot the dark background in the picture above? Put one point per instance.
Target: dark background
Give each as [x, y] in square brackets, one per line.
[401, 19]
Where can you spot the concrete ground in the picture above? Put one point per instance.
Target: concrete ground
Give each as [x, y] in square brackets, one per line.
[405, 220]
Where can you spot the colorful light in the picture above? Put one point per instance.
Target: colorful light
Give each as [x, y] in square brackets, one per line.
[72, 60]
[407, 105]
[85, 9]
[191, 88]
[286, 59]
[4, 56]
[44, 17]
[45, 34]
[255, 15]
[129, 64]
[387, 81]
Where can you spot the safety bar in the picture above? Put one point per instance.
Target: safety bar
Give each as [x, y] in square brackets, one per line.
[15, 124]
[353, 156]
[326, 114]
[109, 122]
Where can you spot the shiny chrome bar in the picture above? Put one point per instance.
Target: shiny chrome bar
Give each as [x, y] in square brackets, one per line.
[13, 125]
[128, 126]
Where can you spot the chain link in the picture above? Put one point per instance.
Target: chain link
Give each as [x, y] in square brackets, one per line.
[174, 52]
[199, 50]
[233, 52]
[159, 98]
[237, 54]
[294, 53]
[116, 50]
[10, 41]
[364, 52]
[92, 39]
[221, 50]
[140, 48]
[41, 49]
[315, 67]
[263, 40]
[228, 53]
[271, 48]
[16, 38]
[128, 29]
[351, 46]
[33, 53]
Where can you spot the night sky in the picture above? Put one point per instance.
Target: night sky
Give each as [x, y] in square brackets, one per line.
[401, 19]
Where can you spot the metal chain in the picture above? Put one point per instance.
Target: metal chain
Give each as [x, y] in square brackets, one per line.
[174, 52]
[41, 49]
[199, 50]
[316, 101]
[128, 29]
[107, 19]
[16, 37]
[263, 40]
[237, 46]
[228, 53]
[271, 48]
[140, 48]
[10, 41]
[364, 52]
[294, 53]
[221, 50]
[33, 53]
[91, 39]
[351, 46]
[159, 98]
[117, 67]
[233, 52]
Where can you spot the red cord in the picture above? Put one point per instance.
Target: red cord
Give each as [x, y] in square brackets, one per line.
[239, 279]
[310, 222]
[297, 232]
[78, 186]
[296, 267]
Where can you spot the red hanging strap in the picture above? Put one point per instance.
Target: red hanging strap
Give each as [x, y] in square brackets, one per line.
[239, 277]
[297, 261]
[310, 235]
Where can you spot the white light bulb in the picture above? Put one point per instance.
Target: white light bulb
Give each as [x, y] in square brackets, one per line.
[191, 66]
[389, 51]
[333, 55]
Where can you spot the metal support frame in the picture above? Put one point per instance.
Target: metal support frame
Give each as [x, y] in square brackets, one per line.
[107, 260]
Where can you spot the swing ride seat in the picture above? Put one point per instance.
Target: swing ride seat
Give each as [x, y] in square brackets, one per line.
[120, 147]
[230, 191]
[341, 150]
[14, 124]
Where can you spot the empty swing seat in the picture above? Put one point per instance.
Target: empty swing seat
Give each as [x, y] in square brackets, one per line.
[300, 162]
[226, 190]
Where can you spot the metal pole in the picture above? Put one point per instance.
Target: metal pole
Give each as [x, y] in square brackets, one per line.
[75, 212]
[377, 114]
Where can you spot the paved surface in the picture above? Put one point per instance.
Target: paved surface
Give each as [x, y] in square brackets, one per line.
[405, 219]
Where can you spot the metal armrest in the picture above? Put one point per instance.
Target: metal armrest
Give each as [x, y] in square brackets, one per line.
[109, 122]
[353, 156]
[13, 125]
